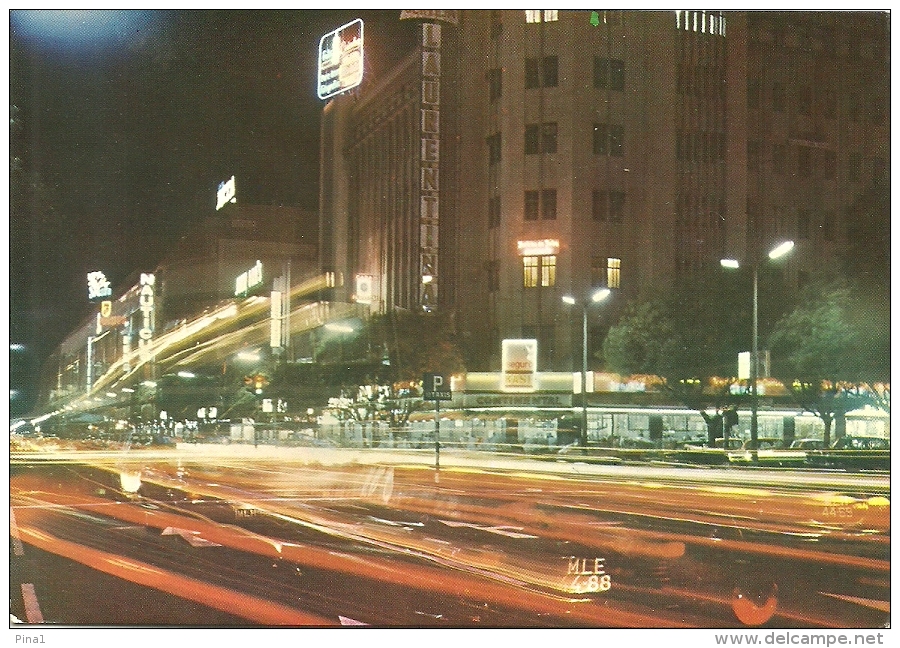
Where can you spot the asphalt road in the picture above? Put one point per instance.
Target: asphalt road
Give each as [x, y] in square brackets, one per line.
[265, 537]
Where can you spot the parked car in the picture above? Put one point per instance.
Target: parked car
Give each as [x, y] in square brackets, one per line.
[853, 453]
[861, 443]
[808, 444]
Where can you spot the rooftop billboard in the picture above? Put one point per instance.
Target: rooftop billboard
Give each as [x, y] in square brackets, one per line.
[340, 60]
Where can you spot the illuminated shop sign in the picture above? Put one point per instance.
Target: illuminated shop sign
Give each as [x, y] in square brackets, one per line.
[340, 59]
[225, 193]
[98, 286]
[146, 306]
[519, 365]
[364, 288]
[248, 280]
[539, 248]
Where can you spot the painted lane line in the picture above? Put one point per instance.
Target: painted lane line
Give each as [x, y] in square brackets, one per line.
[32, 609]
[18, 549]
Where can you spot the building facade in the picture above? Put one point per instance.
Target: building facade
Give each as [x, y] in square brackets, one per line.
[519, 156]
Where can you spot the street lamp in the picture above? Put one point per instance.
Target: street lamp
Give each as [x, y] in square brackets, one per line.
[596, 297]
[775, 253]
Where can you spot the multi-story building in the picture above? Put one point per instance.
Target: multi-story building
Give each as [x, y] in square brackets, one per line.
[519, 156]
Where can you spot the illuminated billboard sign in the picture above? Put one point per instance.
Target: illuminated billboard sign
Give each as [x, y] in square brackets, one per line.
[225, 193]
[519, 362]
[98, 286]
[340, 60]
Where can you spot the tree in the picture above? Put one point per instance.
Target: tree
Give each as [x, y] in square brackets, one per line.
[689, 338]
[833, 350]
[391, 352]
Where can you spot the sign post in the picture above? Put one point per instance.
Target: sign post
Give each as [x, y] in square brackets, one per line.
[436, 387]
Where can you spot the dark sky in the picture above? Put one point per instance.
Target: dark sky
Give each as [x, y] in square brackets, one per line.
[124, 122]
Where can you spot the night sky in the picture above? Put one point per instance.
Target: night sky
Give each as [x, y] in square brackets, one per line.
[122, 125]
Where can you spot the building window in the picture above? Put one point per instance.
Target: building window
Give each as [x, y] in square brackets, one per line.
[753, 93]
[550, 69]
[495, 84]
[828, 226]
[854, 167]
[828, 100]
[494, 212]
[532, 205]
[609, 73]
[608, 206]
[530, 264]
[779, 158]
[613, 272]
[853, 106]
[539, 271]
[829, 164]
[532, 73]
[609, 139]
[493, 143]
[541, 15]
[496, 23]
[540, 72]
[598, 271]
[778, 97]
[804, 100]
[804, 161]
[540, 138]
[548, 271]
[802, 223]
[548, 204]
[541, 203]
[493, 271]
[753, 155]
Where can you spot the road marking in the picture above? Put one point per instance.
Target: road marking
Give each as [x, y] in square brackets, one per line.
[32, 609]
[347, 621]
[18, 549]
[881, 606]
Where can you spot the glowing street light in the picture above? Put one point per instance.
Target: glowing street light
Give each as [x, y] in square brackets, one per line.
[595, 297]
[775, 253]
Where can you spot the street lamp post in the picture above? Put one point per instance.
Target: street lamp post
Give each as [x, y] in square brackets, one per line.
[775, 253]
[596, 297]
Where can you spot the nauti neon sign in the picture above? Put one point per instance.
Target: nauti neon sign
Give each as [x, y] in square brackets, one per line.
[146, 306]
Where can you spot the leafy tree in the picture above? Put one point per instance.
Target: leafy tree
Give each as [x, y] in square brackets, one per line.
[833, 350]
[392, 352]
[690, 339]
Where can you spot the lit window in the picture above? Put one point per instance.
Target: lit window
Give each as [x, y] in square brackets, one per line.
[548, 271]
[535, 15]
[539, 271]
[530, 265]
[613, 272]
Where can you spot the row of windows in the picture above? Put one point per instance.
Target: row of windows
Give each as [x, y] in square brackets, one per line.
[606, 206]
[813, 161]
[701, 22]
[805, 99]
[544, 72]
[807, 222]
[540, 272]
[699, 146]
[608, 139]
[700, 81]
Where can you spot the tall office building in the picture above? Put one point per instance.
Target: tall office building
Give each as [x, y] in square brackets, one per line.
[519, 156]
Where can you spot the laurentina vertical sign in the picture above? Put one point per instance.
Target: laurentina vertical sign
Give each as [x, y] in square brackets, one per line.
[429, 214]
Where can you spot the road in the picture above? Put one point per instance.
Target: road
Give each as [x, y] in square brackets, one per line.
[314, 537]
